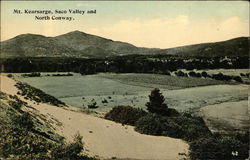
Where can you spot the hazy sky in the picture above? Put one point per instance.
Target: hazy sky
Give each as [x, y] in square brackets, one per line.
[160, 24]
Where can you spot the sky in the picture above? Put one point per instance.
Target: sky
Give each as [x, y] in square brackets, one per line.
[154, 24]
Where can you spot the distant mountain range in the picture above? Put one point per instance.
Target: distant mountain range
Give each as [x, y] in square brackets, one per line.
[80, 44]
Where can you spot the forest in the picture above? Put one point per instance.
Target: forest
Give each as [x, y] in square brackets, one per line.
[157, 64]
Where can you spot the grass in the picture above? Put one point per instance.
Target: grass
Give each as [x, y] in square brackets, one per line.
[37, 95]
[130, 91]
[166, 82]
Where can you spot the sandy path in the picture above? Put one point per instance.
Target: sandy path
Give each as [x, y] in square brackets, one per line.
[108, 139]
[7, 85]
[105, 138]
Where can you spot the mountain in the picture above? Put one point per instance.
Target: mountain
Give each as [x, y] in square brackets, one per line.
[233, 47]
[80, 44]
[73, 44]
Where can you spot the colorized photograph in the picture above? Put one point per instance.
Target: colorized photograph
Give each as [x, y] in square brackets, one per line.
[124, 80]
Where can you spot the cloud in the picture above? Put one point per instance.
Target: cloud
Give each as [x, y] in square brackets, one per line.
[172, 32]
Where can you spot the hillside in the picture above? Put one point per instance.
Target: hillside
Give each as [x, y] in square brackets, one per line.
[80, 44]
[72, 44]
[233, 47]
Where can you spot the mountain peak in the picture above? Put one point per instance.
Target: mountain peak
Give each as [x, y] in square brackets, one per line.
[76, 32]
[28, 35]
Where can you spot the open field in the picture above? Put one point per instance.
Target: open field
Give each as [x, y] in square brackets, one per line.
[228, 116]
[125, 89]
[161, 81]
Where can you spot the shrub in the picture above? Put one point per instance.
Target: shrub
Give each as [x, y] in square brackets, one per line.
[125, 114]
[15, 104]
[221, 77]
[67, 74]
[243, 137]
[9, 75]
[188, 128]
[193, 74]
[198, 75]
[242, 74]
[237, 79]
[194, 127]
[180, 73]
[33, 74]
[204, 74]
[24, 120]
[69, 151]
[18, 143]
[167, 72]
[223, 148]
[150, 124]
[154, 124]
[92, 105]
[104, 101]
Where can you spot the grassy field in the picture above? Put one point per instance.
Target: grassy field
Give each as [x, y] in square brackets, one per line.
[109, 90]
[161, 81]
[227, 117]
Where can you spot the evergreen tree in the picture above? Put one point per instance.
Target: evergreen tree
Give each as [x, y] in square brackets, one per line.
[156, 103]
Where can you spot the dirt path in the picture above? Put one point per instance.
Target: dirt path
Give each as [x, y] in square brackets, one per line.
[104, 138]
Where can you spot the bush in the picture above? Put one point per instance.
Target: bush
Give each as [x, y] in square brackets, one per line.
[24, 120]
[188, 128]
[125, 114]
[193, 74]
[221, 77]
[69, 151]
[58, 75]
[167, 72]
[15, 105]
[242, 74]
[33, 74]
[243, 137]
[92, 105]
[194, 127]
[151, 124]
[204, 74]
[9, 75]
[237, 79]
[223, 148]
[157, 125]
[16, 142]
[19, 143]
[180, 73]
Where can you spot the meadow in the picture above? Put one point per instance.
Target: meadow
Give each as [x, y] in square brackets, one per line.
[108, 90]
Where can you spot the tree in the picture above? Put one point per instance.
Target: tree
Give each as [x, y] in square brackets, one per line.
[156, 103]
[125, 114]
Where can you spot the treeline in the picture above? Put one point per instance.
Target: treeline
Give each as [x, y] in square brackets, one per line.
[160, 64]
